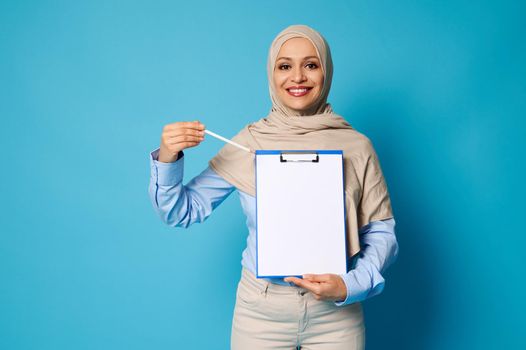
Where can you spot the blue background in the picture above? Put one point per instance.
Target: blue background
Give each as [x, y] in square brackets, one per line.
[86, 87]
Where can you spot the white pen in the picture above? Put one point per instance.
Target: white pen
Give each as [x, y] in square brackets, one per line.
[229, 141]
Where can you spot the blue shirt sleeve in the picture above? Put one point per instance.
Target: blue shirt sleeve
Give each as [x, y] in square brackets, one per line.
[181, 205]
[379, 249]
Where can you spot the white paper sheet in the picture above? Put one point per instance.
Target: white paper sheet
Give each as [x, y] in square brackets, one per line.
[300, 215]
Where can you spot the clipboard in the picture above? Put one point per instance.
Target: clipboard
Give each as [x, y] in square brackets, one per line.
[300, 213]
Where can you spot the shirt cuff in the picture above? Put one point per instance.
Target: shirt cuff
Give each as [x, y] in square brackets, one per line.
[358, 292]
[167, 174]
[348, 297]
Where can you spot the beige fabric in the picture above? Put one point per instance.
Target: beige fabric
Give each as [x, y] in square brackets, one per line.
[272, 316]
[366, 196]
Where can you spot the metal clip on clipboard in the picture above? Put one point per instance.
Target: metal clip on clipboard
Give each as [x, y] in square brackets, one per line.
[306, 156]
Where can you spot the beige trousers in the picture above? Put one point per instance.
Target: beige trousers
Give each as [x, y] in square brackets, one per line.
[272, 316]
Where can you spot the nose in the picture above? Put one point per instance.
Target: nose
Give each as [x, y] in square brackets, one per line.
[298, 75]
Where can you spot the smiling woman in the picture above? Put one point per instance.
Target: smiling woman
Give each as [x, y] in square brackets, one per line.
[321, 311]
[298, 76]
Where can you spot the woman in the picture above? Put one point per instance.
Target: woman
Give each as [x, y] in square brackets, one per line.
[318, 311]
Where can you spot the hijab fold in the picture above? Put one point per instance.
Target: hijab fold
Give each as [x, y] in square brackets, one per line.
[366, 196]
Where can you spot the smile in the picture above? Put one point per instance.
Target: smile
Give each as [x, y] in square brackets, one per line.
[298, 91]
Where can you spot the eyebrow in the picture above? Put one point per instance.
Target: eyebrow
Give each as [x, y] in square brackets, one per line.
[290, 59]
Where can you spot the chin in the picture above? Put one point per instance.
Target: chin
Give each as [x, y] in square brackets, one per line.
[300, 107]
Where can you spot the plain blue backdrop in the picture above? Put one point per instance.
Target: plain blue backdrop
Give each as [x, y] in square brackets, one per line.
[86, 87]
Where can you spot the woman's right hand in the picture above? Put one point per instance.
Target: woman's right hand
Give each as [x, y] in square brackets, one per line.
[178, 136]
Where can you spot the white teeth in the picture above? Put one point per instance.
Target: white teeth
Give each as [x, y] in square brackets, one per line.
[297, 91]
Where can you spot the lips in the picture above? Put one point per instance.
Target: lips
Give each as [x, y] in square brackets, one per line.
[298, 91]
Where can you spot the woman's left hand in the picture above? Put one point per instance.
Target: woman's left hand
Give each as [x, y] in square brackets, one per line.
[323, 287]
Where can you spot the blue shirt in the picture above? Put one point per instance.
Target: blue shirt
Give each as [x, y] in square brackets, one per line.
[181, 205]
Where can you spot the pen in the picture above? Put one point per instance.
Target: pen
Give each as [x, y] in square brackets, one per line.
[229, 141]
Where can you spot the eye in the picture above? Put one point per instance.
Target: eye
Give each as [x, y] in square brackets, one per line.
[311, 65]
[283, 66]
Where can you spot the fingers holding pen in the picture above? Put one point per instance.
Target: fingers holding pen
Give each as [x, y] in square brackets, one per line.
[188, 130]
[178, 136]
[195, 125]
[173, 138]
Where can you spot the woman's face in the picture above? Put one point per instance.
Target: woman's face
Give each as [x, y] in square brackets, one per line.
[298, 77]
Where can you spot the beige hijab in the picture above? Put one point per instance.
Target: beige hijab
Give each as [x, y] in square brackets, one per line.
[366, 196]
